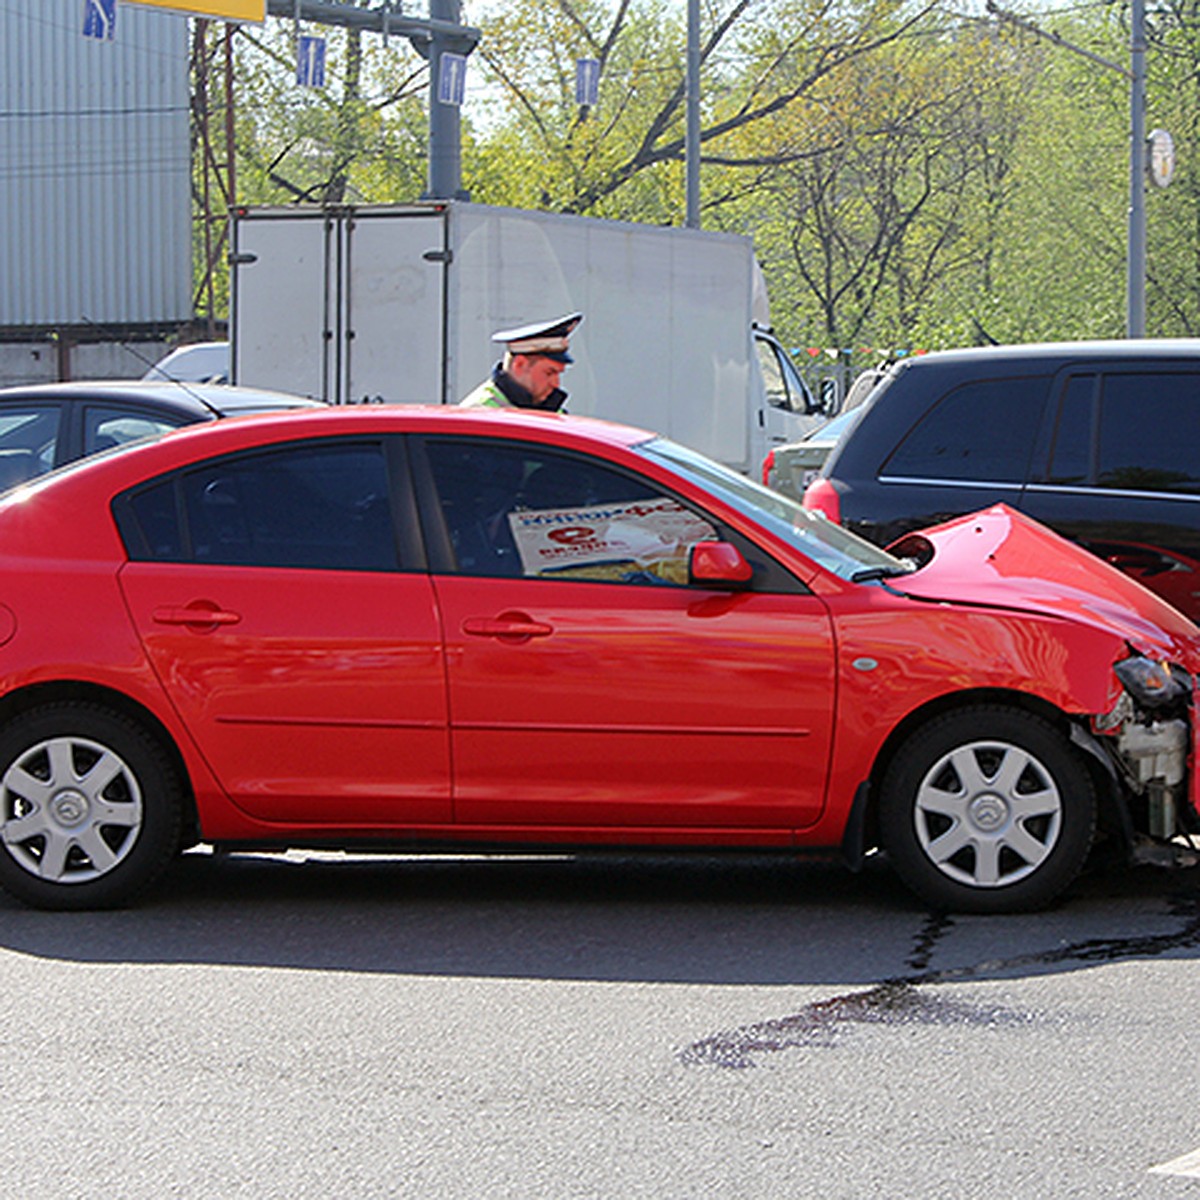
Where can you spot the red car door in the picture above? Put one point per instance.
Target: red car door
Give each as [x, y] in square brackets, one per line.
[597, 704]
[306, 666]
[591, 687]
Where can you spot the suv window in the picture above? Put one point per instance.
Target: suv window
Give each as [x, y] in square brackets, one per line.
[981, 432]
[1071, 449]
[1142, 420]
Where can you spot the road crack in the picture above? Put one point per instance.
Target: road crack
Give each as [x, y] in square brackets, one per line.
[906, 1000]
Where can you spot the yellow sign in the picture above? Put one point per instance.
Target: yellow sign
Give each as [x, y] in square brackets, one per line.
[224, 10]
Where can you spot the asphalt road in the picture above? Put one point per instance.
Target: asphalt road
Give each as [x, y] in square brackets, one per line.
[266, 1027]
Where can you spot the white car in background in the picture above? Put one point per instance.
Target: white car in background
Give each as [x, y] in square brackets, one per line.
[198, 362]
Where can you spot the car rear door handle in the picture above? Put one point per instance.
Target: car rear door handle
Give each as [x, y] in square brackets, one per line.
[199, 615]
[513, 626]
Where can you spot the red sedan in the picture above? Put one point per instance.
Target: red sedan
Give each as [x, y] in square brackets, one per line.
[397, 627]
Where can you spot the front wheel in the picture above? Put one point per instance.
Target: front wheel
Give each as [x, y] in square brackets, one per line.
[986, 810]
[90, 807]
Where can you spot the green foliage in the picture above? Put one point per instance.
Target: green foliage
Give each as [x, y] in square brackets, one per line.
[361, 138]
[912, 177]
[1173, 214]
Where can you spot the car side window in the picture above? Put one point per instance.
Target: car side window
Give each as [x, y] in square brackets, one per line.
[28, 441]
[105, 427]
[778, 382]
[980, 432]
[1071, 446]
[1142, 445]
[322, 506]
[524, 510]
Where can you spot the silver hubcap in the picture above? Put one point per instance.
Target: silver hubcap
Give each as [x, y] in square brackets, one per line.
[988, 814]
[72, 810]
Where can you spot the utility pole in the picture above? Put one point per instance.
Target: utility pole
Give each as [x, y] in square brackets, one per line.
[691, 152]
[1135, 280]
[445, 144]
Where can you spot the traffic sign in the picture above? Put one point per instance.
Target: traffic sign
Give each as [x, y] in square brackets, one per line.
[310, 61]
[587, 81]
[452, 78]
[100, 19]
[1162, 157]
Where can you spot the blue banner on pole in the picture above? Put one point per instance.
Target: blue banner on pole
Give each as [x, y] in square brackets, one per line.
[452, 78]
[310, 61]
[100, 19]
[587, 81]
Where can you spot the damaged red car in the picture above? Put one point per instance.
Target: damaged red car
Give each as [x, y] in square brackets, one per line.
[398, 628]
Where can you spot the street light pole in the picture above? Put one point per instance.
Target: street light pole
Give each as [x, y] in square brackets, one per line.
[1135, 289]
[691, 151]
[1135, 326]
[445, 156]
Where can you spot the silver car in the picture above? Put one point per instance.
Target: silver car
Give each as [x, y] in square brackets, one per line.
[790, 468]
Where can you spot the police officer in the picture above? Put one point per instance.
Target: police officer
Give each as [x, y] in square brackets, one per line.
[528, 375]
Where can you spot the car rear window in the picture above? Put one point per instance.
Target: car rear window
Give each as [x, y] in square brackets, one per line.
[979, 432]
[316, 506]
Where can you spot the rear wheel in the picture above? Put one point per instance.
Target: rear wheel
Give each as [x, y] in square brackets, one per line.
[988, 809]
[90, 807]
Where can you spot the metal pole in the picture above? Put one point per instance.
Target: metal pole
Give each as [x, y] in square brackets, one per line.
[445, 158]
[1136, 292]
[1135, 282]
[692, 132]
[200, 58]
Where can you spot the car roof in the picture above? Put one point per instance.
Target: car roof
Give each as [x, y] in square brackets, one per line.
[197, 400]
[196, 361]
[1046, 352]
[833, 428]
[433, 419]
[180, 446]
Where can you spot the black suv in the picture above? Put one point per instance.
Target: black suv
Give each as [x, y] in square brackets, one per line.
[1099, 440]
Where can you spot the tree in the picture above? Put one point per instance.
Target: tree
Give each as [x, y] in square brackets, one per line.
[910, 179]
[624, 158]
[899, 176]
[362, 137]
[1173, 215]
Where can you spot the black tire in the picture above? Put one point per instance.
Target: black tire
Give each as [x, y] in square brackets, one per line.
[90, 807]
[986, 810]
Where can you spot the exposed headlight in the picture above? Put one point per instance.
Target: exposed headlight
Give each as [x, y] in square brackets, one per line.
[1152, 684]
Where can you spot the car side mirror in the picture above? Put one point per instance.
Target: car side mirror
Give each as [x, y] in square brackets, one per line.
[718, 565]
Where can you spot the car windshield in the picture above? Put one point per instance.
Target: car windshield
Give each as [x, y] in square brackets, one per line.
[832, 547]
[832, 430]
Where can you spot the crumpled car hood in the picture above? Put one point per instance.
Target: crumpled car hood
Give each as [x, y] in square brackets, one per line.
[1001, 558]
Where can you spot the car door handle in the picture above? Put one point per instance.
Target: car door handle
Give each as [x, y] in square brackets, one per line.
[515, 626]
[200, 615]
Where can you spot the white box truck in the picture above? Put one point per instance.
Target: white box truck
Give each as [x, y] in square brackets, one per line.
[398, 304]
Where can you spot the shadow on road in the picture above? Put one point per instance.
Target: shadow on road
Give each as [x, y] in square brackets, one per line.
[687, 919]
